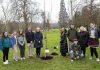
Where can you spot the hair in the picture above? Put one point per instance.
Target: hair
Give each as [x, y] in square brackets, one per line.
[20, 34]
[3, 34]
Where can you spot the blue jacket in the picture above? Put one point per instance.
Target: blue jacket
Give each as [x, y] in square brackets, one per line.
[6, 42]
[38, 40]
[1, 47]
[13, 41]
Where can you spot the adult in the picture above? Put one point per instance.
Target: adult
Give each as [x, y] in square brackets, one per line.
[38, 37]
[63, 42]
[72, 35]
[93, 40]
[21, 44]
[30, 40]
[83, 39]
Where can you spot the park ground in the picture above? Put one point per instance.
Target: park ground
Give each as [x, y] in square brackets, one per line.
[57, 63]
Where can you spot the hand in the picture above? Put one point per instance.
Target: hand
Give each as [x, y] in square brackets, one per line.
[31, 41]
[39, 41]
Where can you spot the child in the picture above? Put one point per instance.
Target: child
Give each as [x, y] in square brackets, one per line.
[75, 50]
[14, 45]
[21, 44]
[6, 45]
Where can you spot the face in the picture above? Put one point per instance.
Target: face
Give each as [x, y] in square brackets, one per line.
[21, 32]
[81, 28]
[62, 29]
[5, 34]
[29, 29]
[92, 25]
[72, 26]
[15, 33]
[38, 29]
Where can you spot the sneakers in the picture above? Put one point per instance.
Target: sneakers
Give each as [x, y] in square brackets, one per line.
[6, 62]
[91, 58]
[72, 60]
[97, 59]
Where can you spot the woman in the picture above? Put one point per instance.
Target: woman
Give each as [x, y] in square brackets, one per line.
[63, 42]
[6, 45]
[14, 45]
[83, 40]
[21, 44]
[94, 40]
[38, 37]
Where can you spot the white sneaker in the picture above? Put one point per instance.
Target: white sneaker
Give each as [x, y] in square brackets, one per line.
[21, 59]
[72, 60]
[24, 58]
[90, 58]
[5, 63]
[97, 59]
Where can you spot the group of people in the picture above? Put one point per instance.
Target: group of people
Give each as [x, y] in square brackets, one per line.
[18, 40]
[79, 40]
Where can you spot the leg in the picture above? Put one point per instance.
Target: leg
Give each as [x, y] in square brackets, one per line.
[91, 51]
[4, 55]
[7, 53]
[21, 50]
[95, 52]
[84, 50]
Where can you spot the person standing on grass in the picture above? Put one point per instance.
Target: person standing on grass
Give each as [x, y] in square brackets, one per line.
[83, 40]
[38, 37]
[72, 35]
[93, 40]
[14, 45]
[30, 40]
[63, 42]
[6, 43]
[21, 44]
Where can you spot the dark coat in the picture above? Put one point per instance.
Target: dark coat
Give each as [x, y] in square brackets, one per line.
[63, 43]
[72, 34]
[29, 36]
[83, 38]
[38, 37]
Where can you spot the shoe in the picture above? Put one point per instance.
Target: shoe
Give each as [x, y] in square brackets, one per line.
[15, 60]
[97, 59]
[23, 58]
[5, 63]
[91, 58]
[72, 60]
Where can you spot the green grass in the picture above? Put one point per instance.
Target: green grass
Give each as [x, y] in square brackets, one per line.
[57, 63]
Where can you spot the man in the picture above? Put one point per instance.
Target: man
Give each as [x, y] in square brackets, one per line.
[72, 35]
[30, 39]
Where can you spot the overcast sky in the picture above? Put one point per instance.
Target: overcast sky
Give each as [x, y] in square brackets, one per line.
[52, 10]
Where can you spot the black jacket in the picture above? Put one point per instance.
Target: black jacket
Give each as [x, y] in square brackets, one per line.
[63, 43]
[83, 38]
[29, 36]
[72, 34]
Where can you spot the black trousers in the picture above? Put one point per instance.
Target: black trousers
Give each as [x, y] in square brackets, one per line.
[22, 51]
[83, 50]
[93, 52]
[38, 50]
[5, 54]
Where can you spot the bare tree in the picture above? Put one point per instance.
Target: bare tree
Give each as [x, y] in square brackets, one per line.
[24, 10]
[6, 13]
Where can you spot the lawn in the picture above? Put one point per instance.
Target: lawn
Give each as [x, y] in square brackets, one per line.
[57, 63]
